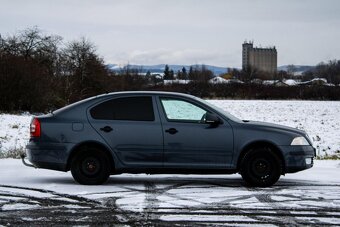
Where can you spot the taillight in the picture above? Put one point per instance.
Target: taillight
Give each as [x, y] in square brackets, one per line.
[35, 128]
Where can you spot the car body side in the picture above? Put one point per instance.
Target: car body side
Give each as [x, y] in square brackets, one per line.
[68, 129]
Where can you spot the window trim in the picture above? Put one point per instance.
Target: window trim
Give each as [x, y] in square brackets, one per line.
[121, 120]
[179, 120]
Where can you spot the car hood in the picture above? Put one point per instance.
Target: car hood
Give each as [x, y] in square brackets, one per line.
[269, 126]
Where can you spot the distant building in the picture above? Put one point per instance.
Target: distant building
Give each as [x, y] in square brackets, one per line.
[263, 59]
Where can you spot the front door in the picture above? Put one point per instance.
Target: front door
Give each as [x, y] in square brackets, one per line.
[188, 141]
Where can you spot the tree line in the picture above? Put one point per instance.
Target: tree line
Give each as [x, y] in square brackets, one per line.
[329, 71]
[198, 73]
[40, 72]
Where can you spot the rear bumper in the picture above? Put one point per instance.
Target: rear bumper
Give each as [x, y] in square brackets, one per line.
[298, 158]
[48, 155]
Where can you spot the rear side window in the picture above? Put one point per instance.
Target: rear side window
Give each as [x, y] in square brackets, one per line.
[129, 108]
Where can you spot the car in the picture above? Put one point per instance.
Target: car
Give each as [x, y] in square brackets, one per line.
[162, 132]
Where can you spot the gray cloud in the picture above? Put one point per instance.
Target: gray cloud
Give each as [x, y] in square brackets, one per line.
[186, 31]
[169, 56]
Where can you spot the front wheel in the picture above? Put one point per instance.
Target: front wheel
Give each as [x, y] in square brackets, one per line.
[261, 168]
[90, 166]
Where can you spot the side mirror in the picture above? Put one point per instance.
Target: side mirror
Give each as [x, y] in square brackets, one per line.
[212, 119]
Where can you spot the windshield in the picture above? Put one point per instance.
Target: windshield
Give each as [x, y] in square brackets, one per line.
[221, 111]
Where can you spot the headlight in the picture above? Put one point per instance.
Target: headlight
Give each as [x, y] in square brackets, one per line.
[299, 141]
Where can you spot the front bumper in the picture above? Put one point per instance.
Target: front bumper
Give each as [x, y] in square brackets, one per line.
[298, 158]
[48, 155]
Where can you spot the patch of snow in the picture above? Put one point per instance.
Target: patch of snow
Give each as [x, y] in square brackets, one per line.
[34, 219]
[317, 220]
[270, 82]
[235, 81]
[176, 81]
[218, 80]
[14, 131]
[320, 79]
[19, 206]
[210, 218]
[291, 82]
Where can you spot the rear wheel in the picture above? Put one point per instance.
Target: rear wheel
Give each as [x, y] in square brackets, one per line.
[261, 167]
[90, 166]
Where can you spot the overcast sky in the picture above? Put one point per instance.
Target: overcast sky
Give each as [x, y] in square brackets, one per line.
[186, 31]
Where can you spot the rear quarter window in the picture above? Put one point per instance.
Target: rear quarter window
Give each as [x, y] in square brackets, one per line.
[128, 108]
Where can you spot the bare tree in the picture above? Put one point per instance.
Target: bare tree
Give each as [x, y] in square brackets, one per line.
[85, 70]
[291, 69]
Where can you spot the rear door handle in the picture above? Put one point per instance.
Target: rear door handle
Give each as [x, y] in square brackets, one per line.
[171, 131]
[106, 129]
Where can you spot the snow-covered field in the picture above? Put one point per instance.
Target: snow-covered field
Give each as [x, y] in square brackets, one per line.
[320, 119]
[40, 197]
[14, 131]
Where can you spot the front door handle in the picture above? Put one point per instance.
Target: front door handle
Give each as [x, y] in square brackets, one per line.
[171, 131]
[106, 129]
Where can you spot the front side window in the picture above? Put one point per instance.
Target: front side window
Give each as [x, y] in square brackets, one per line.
[180, 110]
[129, 108]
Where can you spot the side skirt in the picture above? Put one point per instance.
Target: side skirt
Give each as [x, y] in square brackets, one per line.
[176, 171]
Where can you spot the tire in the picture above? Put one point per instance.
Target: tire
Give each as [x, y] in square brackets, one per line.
[90, 166]
[261, 168]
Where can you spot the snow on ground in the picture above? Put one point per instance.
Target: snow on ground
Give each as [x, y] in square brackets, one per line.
[14, 131]
[14, 173]
[44, 197]
[320, 119]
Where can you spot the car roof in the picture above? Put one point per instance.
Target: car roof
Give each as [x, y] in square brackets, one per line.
[146, 93]
[141, 93]
[123, 93]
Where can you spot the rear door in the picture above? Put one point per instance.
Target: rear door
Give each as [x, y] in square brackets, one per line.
[131, 127]
[190, 143]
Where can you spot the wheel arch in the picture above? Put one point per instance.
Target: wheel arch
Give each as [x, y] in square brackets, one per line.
[94, 144]
[261, 144]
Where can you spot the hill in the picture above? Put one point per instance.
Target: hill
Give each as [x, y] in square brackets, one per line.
[217, 70]
[160, 68]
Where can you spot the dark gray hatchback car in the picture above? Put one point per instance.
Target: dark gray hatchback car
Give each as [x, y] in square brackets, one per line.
[162, 132]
